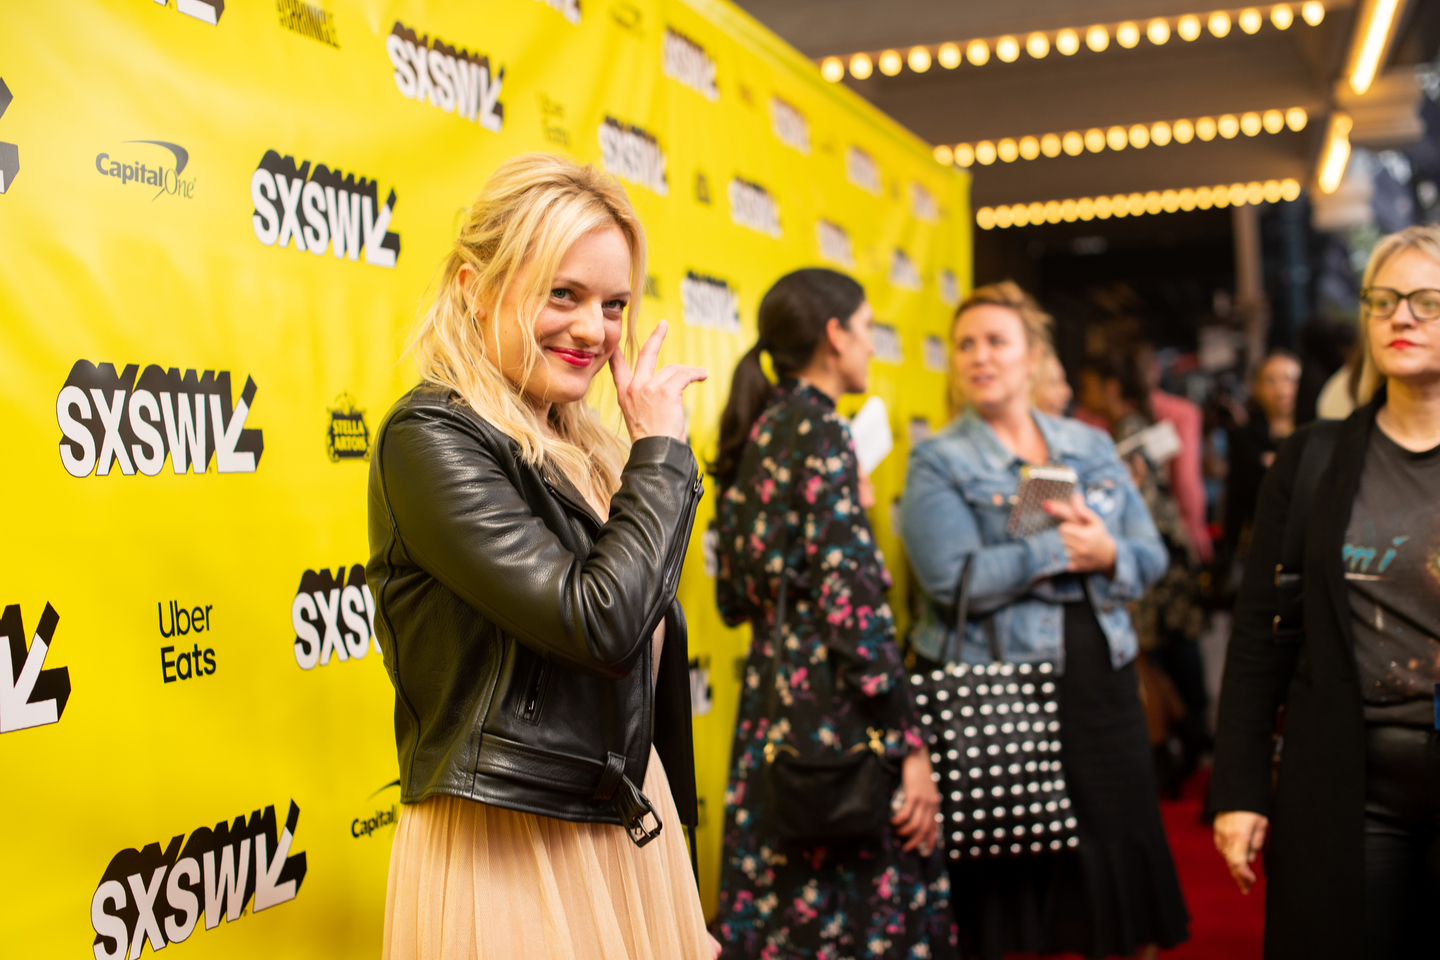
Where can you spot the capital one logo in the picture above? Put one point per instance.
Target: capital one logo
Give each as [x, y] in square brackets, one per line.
[160, 895]
[30, 695]
[110, 419]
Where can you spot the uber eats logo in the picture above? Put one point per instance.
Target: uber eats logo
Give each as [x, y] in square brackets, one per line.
[160, 895]
[429, 70]
[333, 616]
[30, 695]
[110, 419]
[319, 208]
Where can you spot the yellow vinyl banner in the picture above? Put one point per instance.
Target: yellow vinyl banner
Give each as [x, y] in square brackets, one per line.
[217, 224]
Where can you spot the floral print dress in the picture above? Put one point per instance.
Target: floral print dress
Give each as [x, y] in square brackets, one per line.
[839, 674]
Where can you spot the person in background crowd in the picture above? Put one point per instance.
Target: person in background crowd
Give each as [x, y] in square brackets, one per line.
[1324, 348]
[1271, 418]
[525, 563]
[789, 509]
[1058, 595]
[1353, 808]
[1052, 393]
[1340, 395]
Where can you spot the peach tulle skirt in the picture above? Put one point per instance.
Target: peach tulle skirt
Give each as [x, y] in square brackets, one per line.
[469, 881]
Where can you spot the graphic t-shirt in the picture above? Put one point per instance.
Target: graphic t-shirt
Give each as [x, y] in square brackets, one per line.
[1392, 567]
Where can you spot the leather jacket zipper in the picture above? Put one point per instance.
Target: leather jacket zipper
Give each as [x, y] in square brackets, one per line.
[677, 554]
[530, 706]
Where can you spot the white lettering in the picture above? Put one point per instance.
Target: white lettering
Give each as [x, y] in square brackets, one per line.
[226, 437]
[302, 616]
[751, 205]
[112, 447]
[862, 170]
[75, 432]
[269, 891]
[107, 925]
[632, 154]
[329, 612]
[316, 232]
[835, 244]
[146, 433]
[400, 59]
[709, 303]
[376, 255]
[790, 126]
[229, 886]
[352, 608]
[145, 923]
[686, 61]
[290, 188]
[182, 900]
[265, 221]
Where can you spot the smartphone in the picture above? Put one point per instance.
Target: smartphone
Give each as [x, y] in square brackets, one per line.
[1037, 485]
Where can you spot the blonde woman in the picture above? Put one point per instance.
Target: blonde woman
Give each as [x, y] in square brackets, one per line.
[1352, 813]
[524, 562]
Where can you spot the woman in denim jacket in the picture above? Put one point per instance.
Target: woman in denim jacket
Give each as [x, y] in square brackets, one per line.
[1058, 595]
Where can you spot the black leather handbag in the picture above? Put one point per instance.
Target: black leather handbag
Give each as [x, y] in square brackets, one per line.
[994, 732]
[818, 800]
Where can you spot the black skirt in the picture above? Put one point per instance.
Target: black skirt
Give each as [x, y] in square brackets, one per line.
[1117, 891]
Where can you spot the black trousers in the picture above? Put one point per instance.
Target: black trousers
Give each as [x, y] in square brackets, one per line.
[1402, 842]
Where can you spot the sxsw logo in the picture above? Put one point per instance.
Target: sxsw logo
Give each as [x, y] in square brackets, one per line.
[333, 616]
[30, 695]
[315, 209]
[112, 420]
[452, 79]
[160, 895]
[208, 11]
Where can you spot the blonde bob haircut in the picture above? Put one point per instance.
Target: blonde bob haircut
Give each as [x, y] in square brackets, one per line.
[1426, 239]
[529, 214]
[1035, 322]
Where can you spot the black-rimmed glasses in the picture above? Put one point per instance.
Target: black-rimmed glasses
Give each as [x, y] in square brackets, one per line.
[1382, 302]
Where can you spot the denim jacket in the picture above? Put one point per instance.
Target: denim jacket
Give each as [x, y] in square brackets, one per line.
[958, 490]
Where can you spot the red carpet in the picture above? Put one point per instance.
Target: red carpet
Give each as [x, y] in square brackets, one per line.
[1224, 925]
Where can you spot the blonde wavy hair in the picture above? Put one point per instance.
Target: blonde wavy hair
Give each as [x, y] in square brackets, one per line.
[530, 212]
[1036, 322]
[1426, 239]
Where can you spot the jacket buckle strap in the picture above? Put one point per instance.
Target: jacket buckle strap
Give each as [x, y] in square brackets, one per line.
[610, 778]
[632, 805]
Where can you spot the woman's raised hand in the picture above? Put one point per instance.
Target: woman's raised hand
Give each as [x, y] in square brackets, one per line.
[650, 399]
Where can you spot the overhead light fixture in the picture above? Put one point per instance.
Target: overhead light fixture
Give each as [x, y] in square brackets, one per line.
[1139, 136]
[1160, 133]
[1127, 34]
[1097, 38]
[1220, 23]
[1117, 137]
[949, 55]
[1251, 124]
[1007, 150]
[964, 154]
[944, 155]
[1137, 204]
[1050, 145]
[1007, 48]
[1188, 27]
[1029, 148]
[977, 52]
[861, 66]
[832, 69]
[1228, 125]
[1296, 118]
[1374, 35]
[1158, 30]
[1037, 45]
[1312, 12]
[1205, 128]
[919, 59]
[1250, 20]
[1094, 139]
[1183, 130]
[890, 63]
[1337, 153]
[985, 153]
[1273, 121]
[1074, 144]
[1067, 41]
[1282, 16]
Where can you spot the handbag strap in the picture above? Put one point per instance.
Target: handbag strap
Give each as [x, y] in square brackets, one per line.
[960, 615]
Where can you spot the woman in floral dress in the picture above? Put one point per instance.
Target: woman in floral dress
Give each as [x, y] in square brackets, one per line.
[790, 486]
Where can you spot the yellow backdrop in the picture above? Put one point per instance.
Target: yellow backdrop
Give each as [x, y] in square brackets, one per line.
[217, 224]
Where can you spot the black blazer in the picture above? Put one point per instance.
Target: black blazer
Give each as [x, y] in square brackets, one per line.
[1315, 905]
[516, 624]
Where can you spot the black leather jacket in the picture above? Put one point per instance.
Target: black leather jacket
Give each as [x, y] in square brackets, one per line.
[516, 625]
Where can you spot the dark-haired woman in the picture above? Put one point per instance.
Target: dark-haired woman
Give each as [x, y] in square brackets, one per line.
[790, 507]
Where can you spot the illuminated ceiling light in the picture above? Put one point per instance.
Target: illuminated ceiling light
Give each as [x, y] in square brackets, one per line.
[1069, 211]
[985, 153]
[1037, 212]
[860, 66]
[833, 69]
[1037, 45]
[1228, 125]
[1085, 208]
[1067, 41]
[1337, 153]
[1050, 145]
[890, 63]
[1154, 202]
[1117, 138]
[1312, 12]
[1053, 212]
[1220, 23]
[944, 155]
[1127, 34]
[1237, 194]
[949, 55]
[1184, 131]
[1289, 189]
[1205, 128]
[1029, 148]
[1272, 191]
[1119, 205]
[1097, 38]
[919, 59]
[1160, 133]
[1254, 193]
[1188, 27]
[1220, 196]
[1295, 118]
[1007, 150]
[1186, 200]
[1139, 136]
[1158, 30]
[1138, 203]
[1202, 198]
[1020, 214]
[1250, 20]
[1375, 33]
[1281, 16]
[1072, 143]
[1251, 124]
[1003, 217]
[1274, 121]
[1007, 48]
[1103, 208]
[977, 52]
[985, 218]
[1094, 139]
[964, 154]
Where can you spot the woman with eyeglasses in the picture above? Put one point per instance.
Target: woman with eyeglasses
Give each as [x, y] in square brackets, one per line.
[1352, 811]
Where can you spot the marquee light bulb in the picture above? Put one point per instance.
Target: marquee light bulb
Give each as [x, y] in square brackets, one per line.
[1188, 27]
[1158, 30]
[1007, 150]
[890, 63]
[1067, 41]
[1273, 120]
[964, 154]
[919, 59]
[944, 155]
[1312, 12]
[1037, 45]
[1094, 139]
[1184, 131]
[1007, 48]
[1205, 128]
[1117, 137]
[861, 66]
[977, 52]
[1251, 124]
[1220, 23]
[1289, 189]
[949, 55]
[1073, 143]
[1160, 133]
[1250, 20]
[1029, 148]
[1097, 38]
[832, 69]
[1127, 34]
[1139, 136]
[1295, 118]
[1050, 145]
[1228, 125]
[1282, 16]
[985, 152]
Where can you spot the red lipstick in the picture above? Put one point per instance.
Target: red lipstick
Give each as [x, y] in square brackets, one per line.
[576, 358]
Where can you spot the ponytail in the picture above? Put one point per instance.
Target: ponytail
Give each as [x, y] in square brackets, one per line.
[792, 319]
